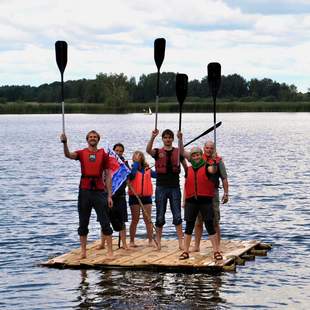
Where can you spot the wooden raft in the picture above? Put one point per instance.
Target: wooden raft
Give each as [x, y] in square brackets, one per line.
[144, 257]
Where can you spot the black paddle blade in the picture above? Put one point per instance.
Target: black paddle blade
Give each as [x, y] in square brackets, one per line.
[181, 87]
[61, 48]
[159, 51]
[214, 77]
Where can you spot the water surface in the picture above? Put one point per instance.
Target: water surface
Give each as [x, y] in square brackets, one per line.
[267, 158]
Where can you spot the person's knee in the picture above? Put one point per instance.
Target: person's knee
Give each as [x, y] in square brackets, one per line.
[210, 227]
[83, 231]
[160, 222]
[177, 218]
[107, 230]
[189, 227]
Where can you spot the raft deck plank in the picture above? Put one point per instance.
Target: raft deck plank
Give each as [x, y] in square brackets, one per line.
[146, 257]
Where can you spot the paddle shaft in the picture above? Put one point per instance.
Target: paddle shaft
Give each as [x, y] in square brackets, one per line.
[214, 120]
[157, 98]
[62, 103]
[204, 133]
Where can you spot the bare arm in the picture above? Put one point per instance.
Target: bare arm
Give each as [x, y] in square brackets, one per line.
[225, 187]
[108, 182]
[149, 147]
[67, 153]
[181, 145]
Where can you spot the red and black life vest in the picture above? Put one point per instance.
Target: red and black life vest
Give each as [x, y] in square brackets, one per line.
[198, 184]
[161, 161]
[210, 161]
[141, 184]
[92, 166]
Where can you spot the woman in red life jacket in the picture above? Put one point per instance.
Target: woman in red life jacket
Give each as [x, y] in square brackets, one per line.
[199, 192]
[140, 184]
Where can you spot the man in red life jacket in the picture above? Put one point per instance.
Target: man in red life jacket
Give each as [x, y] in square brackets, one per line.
[167, 165]
[92, 192]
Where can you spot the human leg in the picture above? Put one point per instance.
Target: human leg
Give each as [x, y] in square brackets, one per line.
[198, 232]
[161, 205]
[84, 209]
[175, 205]
[190, 215]
[217, 216]
[102, 210]
[148, 223]
[135, 214]
[207, 212]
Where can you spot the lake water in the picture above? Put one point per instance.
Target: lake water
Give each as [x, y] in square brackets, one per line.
[267, 158]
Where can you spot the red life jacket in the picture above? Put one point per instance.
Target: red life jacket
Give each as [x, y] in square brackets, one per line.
[92, 166]
[211, 160]
[142, 184]
[216, 176]
[198, 184]
[161, 162]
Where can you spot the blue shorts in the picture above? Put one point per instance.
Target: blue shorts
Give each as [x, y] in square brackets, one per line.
[162, 195]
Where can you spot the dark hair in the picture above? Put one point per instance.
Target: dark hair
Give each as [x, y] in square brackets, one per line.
[118, 144]
[95, 132]
[167, 132]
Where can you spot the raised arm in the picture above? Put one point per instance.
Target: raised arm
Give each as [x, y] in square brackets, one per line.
[149, 147]
[180, 143]
[67, 153]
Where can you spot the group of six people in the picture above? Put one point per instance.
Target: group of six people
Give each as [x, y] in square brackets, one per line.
[203, 170]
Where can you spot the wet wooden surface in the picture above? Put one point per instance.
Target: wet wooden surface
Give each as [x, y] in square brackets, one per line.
[149, 258]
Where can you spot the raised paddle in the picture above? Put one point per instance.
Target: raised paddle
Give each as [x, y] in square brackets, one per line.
[159, 55]
[214, 80]
[181, 92]
[203, 134]
[61, 48]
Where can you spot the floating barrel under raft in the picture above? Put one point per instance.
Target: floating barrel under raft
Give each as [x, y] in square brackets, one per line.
[144, 257]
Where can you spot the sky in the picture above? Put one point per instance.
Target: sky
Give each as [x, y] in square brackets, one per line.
[254, 38]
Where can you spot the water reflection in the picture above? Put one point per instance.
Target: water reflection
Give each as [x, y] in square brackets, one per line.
[112, 289]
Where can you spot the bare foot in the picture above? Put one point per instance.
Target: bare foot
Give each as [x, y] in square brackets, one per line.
[151, 244]
[133, 245]
[83, 255]
[181, 246]
[125, 247]
[158, 246]
[110, 255]
[194, 249]
[100, 247]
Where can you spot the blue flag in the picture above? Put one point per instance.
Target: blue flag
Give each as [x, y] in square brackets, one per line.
[119, 170]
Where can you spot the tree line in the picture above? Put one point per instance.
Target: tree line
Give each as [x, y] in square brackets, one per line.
[117, 90]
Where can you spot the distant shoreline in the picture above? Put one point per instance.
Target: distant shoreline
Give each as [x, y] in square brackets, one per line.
[164, 107]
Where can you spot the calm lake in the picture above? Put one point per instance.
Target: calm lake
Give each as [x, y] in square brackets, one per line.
[267, 158]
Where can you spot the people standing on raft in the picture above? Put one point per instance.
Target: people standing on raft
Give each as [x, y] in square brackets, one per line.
[140, 185]
[167, 165]
[199, 192]
[210, 155]
[93, 193]
[118, 214]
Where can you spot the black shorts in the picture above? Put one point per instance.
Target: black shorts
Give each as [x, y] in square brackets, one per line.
[145, 200]
[118, 213]
[89, 199]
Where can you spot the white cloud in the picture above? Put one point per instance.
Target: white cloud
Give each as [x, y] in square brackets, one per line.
[117, 36]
